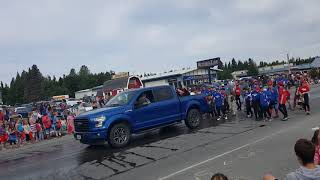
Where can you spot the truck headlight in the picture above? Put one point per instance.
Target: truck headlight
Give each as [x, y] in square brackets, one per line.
[99, 121]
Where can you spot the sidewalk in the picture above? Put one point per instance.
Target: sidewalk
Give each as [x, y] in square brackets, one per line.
[45, 145]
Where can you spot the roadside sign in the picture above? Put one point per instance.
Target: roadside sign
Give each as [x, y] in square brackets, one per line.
[208, 63]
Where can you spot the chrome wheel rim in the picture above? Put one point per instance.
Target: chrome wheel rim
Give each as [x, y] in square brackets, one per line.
[194, 119]
[120, 135]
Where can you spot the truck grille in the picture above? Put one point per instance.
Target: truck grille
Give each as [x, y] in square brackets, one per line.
[81, 125]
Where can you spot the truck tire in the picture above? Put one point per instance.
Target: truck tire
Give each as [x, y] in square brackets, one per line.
[119, 135]
[193, 118]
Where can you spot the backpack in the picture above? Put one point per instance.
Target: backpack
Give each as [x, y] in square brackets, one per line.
[46, 122]
[38, 127]
[20, 128]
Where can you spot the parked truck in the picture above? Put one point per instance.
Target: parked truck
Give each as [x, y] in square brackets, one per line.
[138, 110]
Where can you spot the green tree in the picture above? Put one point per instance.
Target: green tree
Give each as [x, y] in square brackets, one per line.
[32, 90]
[233, 64]
[252, 68]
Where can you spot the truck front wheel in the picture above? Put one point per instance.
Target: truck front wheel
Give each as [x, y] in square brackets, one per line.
[119, 135]
[193, 118]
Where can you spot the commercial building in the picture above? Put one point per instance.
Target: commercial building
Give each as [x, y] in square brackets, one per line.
[276, 69]
[181, 78]
[83, 93]
[118, 83]
[239, 74]
[121, 83]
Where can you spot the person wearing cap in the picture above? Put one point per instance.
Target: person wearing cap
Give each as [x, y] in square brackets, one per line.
[264, 104]
[274, 96]
[218, 99]
[237, 92]
[248, 102]
[225, 107]
[212, 102]
[304, 90]
[283, 97]
[256, 101]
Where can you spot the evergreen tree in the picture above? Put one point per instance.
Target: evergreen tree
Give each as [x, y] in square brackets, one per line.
[252, 68]
[233, 65]
[32, 90]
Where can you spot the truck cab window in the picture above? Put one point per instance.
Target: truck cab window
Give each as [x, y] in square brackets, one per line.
[145, 98]
[163, 94]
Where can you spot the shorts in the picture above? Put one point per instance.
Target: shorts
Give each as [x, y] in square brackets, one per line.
[12, 142]
[274, 105]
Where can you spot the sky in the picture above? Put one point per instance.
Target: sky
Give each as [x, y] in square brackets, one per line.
[151, 36]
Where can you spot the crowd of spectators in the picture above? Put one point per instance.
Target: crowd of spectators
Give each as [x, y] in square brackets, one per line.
[42, 123]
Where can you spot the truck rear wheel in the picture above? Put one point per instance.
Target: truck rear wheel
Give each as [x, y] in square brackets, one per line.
[119, 135]
[193, 118]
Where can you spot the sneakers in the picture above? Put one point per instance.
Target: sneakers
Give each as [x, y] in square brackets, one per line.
[285, 119]
[308, 112]
[226, 117]
[219, 118]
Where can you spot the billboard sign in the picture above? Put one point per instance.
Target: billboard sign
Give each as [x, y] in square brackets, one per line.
[208, 63]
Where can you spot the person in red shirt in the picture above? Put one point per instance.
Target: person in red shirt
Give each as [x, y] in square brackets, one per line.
[304, 90]
[237, 92]
[283, 97]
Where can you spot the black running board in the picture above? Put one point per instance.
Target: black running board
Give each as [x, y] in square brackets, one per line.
[156, 128]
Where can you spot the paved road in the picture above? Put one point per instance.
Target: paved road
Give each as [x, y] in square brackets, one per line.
[241, 148]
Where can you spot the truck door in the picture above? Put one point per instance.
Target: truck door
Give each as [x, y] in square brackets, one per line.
[168, 105]
[144, 110]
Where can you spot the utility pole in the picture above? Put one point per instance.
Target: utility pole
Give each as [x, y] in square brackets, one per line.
[288, 63]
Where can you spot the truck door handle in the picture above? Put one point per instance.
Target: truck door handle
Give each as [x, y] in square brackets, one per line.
[127, 111]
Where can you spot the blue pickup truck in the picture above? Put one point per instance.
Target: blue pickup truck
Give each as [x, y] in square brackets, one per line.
[135, 111]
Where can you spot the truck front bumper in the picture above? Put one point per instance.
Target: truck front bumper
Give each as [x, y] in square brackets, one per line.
[96, 137]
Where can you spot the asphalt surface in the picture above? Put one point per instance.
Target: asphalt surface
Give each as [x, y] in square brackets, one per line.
[240, 148]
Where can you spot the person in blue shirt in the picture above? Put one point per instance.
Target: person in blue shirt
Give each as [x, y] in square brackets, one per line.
[273, 99]
[212, 105]
[256, 102]
[248, 102]
[205, 91]
[218, 99]
[264, 103]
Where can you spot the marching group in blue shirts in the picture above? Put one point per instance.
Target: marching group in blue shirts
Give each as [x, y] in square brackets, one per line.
[260, 102]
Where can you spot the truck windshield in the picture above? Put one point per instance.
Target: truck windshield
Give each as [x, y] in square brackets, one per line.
[121, 99]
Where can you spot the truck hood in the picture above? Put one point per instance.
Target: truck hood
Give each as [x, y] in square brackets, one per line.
[108, 111]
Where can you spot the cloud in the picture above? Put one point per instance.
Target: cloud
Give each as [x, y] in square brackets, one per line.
[144, 36]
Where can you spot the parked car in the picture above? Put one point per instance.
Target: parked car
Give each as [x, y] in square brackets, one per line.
[71, 102]
[23, 111]
[81, 108]
[135, 111]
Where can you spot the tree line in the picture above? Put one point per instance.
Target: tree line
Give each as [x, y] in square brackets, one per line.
[252, 67]
[233, 65]
[32, 86]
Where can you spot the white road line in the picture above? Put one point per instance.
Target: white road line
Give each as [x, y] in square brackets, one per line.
[223, 154]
